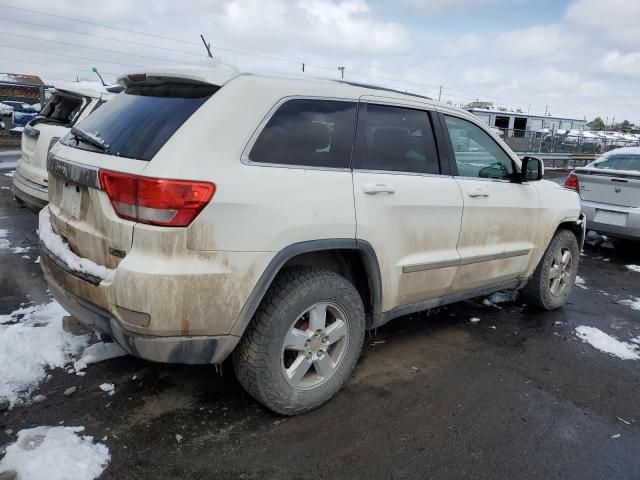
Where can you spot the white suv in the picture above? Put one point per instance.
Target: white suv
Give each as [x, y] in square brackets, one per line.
[200, 214]
[67, 106]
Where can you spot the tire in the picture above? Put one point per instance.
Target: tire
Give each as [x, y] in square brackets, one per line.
[540, 292]
[269, 372]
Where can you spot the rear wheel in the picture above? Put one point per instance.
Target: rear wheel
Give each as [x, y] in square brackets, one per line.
[555, 275]
[303, 342]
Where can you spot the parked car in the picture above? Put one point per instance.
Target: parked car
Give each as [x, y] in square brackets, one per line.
[609, 189]
[22, 113]
[67, 106]
[5, 110]
[204, 213]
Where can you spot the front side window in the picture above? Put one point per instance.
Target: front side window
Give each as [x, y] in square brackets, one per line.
[308, 133]
[395, 139]
[476, 153]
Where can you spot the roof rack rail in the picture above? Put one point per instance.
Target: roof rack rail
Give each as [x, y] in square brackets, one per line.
[386, 89]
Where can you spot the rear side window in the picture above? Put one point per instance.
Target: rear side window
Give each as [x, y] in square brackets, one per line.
[395, 139]
[620, 162]
[308, 133]
[139, 121]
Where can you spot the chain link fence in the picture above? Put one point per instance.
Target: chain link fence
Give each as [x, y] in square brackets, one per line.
[19, 103]
[568, 142]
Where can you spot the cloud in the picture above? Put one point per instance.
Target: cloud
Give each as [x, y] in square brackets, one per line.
[550, 42]
[431, 6]
[345, 27]
[616, 21]
[617, 63]
[482, 76]
[468, 43]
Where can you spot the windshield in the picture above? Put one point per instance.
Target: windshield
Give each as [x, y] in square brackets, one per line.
[619, 162]
[139, 121]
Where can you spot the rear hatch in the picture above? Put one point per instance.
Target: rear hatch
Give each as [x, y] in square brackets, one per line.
[95, 171]
[54, 120]
[614, 180]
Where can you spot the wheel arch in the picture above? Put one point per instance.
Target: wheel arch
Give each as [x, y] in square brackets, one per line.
[355, 259]
[577, 226]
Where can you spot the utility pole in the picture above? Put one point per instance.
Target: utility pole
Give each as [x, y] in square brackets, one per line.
[302, 67]
[440, 93]
[207, 46]
[341, 72]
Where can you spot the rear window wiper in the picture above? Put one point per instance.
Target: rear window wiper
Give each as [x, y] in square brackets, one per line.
[92, 140]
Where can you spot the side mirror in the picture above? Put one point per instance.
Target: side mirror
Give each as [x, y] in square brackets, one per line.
[532, 169]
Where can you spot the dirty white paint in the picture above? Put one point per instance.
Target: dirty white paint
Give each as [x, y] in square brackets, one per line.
[608, 344]
[57, 246]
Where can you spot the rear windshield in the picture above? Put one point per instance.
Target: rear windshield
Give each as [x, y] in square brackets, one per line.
[61, 108]
[620, 162]
[139, 121]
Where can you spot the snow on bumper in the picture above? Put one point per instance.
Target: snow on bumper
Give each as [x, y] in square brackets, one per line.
[56, 245]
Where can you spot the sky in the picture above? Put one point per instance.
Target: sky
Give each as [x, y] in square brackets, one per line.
[575, 58]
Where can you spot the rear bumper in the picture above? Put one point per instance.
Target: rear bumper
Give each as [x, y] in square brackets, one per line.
[170, 349]
[35, 196]
[630, 230]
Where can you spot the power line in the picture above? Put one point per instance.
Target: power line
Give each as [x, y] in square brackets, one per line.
[91, 48]
[15, 60]
[97, 24]
[104, 37]
[70, 56]
[233, 51]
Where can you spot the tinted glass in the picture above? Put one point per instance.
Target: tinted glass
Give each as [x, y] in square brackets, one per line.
[620, 162]
[476, 153]
[138, 122]
[396, 139]
[309, 133]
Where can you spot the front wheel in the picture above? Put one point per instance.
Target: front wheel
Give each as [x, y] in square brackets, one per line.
[555, 275]
[303, 342]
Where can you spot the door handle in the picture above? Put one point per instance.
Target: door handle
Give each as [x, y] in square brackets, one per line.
[478, 192]
[371, 189]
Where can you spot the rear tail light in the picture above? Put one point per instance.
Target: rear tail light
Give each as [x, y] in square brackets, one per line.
[572, 182]
[52, 142]
[156, 201]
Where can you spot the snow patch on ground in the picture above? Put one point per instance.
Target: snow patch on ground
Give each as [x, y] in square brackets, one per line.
[55, 453]
[108, 387]
[474, 320]
[31, 344]
[581, 283]
[9, 174]
[634, 303]
[4, 243]
[608, 344]
[633, 268]
[500, 297]
[98, 352]
[58, 247]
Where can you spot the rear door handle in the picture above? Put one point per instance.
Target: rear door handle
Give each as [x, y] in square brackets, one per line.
[374, 189]
[478, 192]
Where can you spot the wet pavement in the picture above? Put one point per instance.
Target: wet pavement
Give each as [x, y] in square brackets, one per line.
[516, 395]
